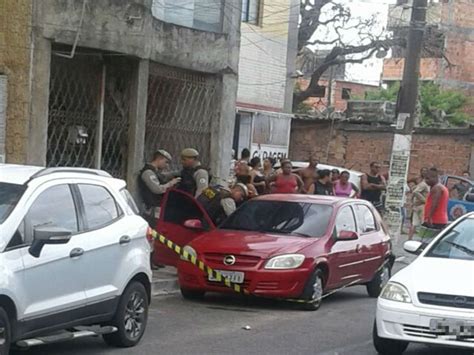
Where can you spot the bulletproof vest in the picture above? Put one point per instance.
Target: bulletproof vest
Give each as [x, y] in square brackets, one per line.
[188, 183]
[149, 198]
[211, 199]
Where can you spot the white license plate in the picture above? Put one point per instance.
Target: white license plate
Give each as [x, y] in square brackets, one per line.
[452, 327]
[235, 277]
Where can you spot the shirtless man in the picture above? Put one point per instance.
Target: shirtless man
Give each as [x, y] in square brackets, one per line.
[309, 175]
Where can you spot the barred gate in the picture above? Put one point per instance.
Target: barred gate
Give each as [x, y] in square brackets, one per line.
[182, 106]
[75, 111]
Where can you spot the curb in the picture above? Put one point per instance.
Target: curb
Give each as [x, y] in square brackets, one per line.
[165, 282]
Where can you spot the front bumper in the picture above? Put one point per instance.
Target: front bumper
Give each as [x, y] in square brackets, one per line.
[259, 282]
[411, 323]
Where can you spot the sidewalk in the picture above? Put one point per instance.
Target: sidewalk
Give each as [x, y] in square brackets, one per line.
[165, 281]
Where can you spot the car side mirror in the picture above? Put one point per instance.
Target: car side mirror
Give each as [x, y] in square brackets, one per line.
[347, 235]
[48, 235]
[195, 224]
[413, 247]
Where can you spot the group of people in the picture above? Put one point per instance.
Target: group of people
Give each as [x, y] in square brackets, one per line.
[264, 178]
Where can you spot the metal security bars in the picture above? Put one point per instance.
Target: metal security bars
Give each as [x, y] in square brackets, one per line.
[88, 113]
[182, 106]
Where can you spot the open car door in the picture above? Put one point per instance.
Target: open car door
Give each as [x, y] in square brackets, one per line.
[178, 210]
[461, 197]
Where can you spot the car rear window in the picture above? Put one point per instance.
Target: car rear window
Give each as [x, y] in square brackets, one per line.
[10, 194]
[130, 201]
[307, 220]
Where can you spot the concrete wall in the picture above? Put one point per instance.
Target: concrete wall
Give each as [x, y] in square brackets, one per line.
[15, 56]
[356, 146]
[125, 27]
[265, 58]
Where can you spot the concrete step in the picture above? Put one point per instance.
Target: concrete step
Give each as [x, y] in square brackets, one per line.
[165, 282]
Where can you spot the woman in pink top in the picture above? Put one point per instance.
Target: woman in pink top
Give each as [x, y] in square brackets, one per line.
[343, 187]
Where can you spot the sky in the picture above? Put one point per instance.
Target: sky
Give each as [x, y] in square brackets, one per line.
[370, 71]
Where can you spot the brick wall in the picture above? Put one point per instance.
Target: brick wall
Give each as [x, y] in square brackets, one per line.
[15, 42]
[338, 102]
[263, 58]
[356, 146]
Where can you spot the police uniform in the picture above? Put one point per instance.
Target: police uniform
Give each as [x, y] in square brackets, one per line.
[193, 179]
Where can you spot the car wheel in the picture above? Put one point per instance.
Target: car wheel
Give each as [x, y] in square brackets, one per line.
[192, 294]
[374, 287]
[5, 333]
[131, 317]
[387, 346]
[313, 292]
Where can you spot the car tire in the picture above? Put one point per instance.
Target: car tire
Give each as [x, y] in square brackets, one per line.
[131, 317]
[192, 295]
[387, 346]
[374, 287]
[313, 292]
[5, 333]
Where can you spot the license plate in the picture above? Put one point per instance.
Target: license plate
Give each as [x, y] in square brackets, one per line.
[236, 277]
[457, 328]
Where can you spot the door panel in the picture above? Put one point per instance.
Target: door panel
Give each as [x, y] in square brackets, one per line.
[54, 281]
[177, 208]
[344, 255]
[371, 236]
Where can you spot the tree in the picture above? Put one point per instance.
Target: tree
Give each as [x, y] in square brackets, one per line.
[337, 19]
[438, 107]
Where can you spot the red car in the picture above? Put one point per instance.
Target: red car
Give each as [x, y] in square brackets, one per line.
[282, 246]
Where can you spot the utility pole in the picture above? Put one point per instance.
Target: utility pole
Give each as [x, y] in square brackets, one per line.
[406, 110]
[411, 72]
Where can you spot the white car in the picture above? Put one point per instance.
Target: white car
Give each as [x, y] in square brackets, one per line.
[431, 301]
[74, 256]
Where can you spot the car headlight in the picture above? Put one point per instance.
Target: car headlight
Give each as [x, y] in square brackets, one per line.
[282, 262]
[395, 292]
[190, 251]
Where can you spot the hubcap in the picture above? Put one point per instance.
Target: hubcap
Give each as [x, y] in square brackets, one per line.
[135, 315]
[384, 276]
[317, 290]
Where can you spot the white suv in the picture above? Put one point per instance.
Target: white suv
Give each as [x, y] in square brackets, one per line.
[73, 256]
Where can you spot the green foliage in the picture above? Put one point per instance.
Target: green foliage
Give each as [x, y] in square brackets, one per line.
[437, 105]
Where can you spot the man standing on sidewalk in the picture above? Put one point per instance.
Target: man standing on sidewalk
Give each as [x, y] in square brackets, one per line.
[309, 175]
[373, 184]
[419, 195]
[152, 185]
[194, 178]
[436, 208]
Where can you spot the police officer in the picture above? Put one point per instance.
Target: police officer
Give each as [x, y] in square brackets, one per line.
[194, 177]
[220, 202]
[153, 183]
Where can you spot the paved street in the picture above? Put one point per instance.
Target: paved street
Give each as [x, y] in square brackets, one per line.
[215, 326]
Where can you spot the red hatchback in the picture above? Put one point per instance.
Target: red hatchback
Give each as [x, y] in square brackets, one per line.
[282, 246]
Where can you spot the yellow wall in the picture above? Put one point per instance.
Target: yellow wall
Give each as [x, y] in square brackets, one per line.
[15, 43]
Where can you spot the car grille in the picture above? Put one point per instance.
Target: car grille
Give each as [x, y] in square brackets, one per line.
[426, 332]
[245, 261]
[446, 300]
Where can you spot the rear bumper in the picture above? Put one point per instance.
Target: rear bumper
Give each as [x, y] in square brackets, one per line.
[411, 323]
[260, 282]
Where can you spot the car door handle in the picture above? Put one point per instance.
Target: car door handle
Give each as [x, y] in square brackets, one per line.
[76, 252]
[124, 240]
[358, 249]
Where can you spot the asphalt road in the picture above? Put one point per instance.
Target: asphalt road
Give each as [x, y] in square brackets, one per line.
[215, 326]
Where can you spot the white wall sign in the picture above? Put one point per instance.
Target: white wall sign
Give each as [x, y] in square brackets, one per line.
[267, 151]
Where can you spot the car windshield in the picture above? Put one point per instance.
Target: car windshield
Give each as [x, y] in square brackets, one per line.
[458, 243]
[281, 217]
[10, 194]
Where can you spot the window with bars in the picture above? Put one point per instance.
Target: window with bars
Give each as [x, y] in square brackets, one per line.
[251, 11]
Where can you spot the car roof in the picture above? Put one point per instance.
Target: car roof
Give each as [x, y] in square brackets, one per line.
[22, 174]
[320, 199]
[302, 164]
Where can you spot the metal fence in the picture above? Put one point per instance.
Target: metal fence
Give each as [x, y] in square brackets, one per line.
[88, 113]
[182, 106]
